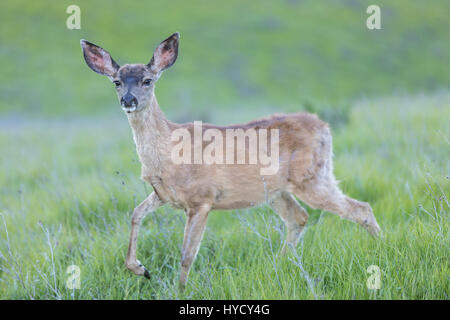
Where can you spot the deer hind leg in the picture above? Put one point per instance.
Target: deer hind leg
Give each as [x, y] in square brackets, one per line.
[319, 188]
[193, 234]
[151, 203]
[323, 193]
[293, 215]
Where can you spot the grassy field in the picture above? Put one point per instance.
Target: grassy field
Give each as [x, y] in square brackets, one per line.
[69, 173]
[70, 203]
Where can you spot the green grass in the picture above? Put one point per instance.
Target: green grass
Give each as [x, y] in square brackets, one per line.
[75, 198]
[233, 54]
[69, 173]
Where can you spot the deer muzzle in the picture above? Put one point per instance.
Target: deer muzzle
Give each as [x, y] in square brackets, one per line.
[129, 103]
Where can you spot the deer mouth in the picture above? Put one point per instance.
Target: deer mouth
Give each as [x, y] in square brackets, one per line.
[129, 109]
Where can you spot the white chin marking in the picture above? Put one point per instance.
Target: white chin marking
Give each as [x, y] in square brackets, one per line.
[129, 110]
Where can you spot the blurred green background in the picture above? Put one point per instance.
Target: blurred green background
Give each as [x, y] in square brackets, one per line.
[234, 55]
[69, 173]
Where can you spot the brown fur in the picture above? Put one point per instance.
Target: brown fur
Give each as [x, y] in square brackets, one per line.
[305, 169]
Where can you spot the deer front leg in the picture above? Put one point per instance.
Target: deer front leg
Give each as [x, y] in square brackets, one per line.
[193, 233]
[151, 203]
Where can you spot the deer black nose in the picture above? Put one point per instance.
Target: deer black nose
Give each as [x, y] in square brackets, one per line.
[128, 100]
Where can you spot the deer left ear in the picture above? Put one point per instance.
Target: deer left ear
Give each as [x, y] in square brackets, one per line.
[98, 59]
[165, 54]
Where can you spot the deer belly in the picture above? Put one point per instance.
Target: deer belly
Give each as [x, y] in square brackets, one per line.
[224, 188]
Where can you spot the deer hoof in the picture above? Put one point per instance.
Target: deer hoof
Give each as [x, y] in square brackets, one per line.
[138, 269]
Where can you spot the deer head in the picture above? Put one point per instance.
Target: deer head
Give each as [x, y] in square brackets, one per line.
[134, 83]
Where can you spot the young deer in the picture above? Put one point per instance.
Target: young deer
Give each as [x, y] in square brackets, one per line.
[305, 162]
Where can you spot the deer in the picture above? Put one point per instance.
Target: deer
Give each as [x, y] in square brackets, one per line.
[305, 163]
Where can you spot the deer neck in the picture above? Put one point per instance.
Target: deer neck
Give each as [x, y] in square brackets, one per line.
[151, 134]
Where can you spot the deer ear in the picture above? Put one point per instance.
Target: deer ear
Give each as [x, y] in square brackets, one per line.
[165, 54]
[98, 59]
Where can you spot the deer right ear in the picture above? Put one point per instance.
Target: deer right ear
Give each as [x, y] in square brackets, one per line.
[98, 59]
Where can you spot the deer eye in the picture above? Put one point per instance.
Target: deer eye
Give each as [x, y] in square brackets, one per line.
[116, 83]
[147, 82]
